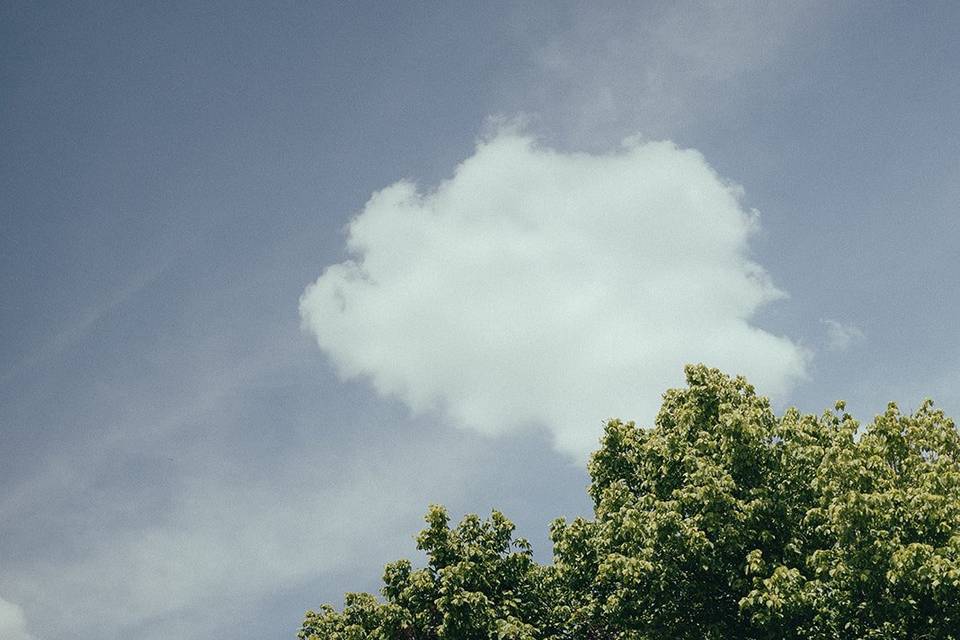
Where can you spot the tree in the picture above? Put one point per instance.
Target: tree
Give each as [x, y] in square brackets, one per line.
[480, 582]
[722, 521]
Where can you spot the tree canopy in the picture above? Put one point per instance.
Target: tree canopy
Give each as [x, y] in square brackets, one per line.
[722, 521]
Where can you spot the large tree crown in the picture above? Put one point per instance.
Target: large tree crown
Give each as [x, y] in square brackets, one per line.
[721, 521]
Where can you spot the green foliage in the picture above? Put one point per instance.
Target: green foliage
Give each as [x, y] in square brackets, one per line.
[480, 582]
[723, 521]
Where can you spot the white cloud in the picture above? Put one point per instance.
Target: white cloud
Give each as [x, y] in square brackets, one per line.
[544, 288]
[841, 336]
[13, 624]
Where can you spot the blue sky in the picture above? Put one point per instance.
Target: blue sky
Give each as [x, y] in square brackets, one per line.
[277, 276]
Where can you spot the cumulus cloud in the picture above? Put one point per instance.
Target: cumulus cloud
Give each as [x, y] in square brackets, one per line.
[841, 336]
[552, 289]
[13, 624]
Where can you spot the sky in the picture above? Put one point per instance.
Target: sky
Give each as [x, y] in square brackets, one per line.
[277, 276]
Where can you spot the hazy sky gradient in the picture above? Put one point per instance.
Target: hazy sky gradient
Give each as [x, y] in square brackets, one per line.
[180, 459]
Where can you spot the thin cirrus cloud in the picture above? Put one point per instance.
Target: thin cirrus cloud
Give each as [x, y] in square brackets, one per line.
[549, 289]
[13, 625]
